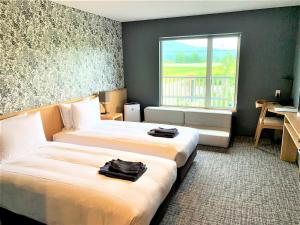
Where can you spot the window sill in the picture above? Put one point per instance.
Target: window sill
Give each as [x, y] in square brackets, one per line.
[204, 108]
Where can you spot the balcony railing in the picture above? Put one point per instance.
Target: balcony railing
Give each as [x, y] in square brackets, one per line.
[191, 91]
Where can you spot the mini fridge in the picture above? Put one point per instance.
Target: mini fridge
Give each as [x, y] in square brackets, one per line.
[132, 112]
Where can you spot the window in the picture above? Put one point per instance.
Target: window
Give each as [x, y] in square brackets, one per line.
[199, 71]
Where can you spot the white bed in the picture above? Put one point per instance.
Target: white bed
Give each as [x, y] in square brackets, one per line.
[132, 136]
[59, 184]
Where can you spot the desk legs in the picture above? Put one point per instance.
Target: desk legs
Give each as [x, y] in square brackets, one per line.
[288, 148]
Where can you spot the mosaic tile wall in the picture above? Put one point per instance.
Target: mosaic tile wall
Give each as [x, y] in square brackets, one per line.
[50, 53]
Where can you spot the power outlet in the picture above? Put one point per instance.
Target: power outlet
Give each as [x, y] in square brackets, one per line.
[277, 93]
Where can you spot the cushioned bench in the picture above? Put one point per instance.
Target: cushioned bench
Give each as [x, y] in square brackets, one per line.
[165, 115]
[213, 125]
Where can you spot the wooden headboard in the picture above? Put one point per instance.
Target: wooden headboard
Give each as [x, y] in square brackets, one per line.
[117, 99]
[51, 118]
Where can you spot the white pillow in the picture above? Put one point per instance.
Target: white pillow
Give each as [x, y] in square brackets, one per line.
[66, 115]
[21, 135]
[86, 113]
[1, 130]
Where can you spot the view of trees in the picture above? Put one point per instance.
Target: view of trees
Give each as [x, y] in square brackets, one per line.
[184, 71]
[193, 57]
[195, 65]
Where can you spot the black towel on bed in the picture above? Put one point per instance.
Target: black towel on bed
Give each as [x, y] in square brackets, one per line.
[126, 167]
[164, 132]
[123, 169]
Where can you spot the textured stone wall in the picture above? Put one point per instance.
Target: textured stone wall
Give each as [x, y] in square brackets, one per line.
[50, 53]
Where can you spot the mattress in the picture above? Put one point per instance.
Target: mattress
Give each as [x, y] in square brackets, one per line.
[132, 136]
[60, 184]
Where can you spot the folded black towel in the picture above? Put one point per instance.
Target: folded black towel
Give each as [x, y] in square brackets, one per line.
[126, 167]
[123, 169]
[167, 130]
[164, 132]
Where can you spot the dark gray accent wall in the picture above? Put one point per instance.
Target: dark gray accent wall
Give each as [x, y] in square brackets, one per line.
[267, 54]
[296, 83]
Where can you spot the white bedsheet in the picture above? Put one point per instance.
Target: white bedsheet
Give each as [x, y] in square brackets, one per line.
[60, 184]
[132, 136]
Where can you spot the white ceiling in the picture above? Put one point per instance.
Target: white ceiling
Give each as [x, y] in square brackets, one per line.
[125, 11]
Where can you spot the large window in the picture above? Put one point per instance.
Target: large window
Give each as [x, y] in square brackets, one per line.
[199, 71]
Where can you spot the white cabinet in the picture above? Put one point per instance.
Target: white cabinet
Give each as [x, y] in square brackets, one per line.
[132, 112]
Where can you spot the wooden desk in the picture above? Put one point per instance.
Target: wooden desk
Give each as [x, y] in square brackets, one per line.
[270, 106]
[290, 138]
[272, 110]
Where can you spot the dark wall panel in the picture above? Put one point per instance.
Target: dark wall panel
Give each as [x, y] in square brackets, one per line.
[296, 84]
[267, 54]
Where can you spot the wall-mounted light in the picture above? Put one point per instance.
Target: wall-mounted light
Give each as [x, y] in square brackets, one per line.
[104, 100]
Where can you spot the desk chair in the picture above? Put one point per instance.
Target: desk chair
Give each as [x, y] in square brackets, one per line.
[264, 122]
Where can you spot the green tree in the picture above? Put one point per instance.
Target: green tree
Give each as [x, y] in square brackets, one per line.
[195, 58]
[180, 57]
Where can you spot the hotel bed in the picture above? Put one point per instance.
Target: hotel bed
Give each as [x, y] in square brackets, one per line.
[58, 183]
[82, 125]
[133, 137]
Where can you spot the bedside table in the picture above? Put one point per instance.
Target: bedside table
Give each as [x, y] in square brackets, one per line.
[112, 116]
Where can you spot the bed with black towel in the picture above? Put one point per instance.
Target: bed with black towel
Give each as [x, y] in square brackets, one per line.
[175, 143]
[58, 183]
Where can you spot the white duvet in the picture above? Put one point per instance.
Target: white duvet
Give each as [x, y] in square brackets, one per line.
[132, 136]
[60, 184]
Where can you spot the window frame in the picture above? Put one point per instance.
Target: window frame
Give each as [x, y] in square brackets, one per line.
[209, 42]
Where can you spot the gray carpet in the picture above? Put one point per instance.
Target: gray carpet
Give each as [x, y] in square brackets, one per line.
[242, 186]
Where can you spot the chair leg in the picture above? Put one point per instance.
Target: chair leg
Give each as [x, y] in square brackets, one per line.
[256, 132]
[257, 128]
[257, 137]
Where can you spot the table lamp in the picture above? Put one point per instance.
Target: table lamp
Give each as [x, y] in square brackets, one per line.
[104, 100]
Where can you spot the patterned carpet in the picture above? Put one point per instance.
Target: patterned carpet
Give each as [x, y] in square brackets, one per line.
[242, 186]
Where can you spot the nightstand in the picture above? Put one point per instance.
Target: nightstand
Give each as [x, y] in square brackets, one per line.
[112, 116]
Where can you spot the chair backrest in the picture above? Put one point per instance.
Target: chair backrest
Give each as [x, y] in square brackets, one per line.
[260, 103]
[263, 111]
